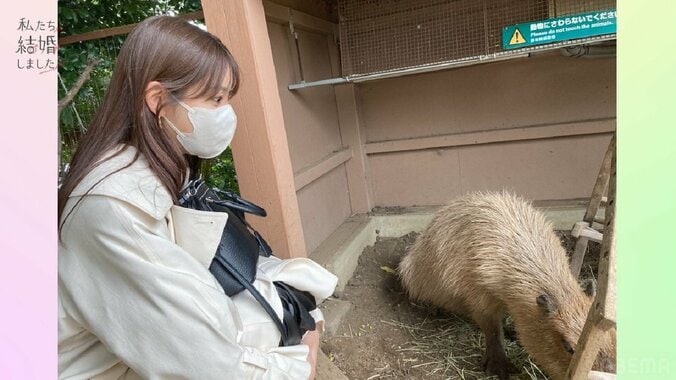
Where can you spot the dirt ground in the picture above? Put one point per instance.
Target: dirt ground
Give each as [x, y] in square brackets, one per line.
[385, 335]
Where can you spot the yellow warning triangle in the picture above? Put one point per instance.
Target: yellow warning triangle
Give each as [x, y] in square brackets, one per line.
[517, 38]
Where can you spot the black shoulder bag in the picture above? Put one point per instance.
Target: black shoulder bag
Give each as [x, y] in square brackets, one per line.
[234, 264]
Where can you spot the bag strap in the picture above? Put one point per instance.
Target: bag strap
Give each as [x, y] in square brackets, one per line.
[235, 201]
[237, 205]
[265, 249]
[296, 305]
[258, 296]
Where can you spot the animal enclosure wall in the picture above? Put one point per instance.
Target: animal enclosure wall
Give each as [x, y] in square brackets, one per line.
[538, 126]
[311, 119]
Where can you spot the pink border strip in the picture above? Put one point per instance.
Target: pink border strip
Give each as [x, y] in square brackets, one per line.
[28, 275]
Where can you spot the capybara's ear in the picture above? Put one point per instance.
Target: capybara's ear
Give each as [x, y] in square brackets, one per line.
[590, 288]
[546, 303]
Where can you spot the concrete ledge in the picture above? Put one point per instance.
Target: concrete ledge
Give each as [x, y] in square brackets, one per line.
[326, 370]
[334, 311]
[340, 252]
[395, 225]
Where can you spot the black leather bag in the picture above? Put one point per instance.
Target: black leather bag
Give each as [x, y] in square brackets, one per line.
[234, 264]
[239, 246]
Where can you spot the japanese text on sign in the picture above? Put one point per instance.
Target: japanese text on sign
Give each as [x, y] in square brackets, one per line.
[560, 29]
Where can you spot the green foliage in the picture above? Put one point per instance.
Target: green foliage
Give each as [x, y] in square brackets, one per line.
[220, 172]
[82, 16]
[72, 62]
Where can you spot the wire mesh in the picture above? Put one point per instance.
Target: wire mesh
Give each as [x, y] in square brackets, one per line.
[382, 35]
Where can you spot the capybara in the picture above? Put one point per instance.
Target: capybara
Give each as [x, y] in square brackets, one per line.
[490, 253]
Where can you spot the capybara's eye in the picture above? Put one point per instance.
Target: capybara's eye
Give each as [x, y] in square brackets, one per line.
[567, 347]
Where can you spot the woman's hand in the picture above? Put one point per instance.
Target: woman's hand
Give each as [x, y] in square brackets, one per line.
[311, 339]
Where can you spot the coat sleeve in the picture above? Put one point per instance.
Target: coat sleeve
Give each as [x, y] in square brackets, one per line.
[153, 305]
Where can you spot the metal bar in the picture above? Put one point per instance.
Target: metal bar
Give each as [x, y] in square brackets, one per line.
[434, 67]
[332, 81]
[496, 57]
[294, 35]
[487, 44]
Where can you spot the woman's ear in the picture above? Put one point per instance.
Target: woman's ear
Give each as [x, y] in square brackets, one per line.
[153, 95]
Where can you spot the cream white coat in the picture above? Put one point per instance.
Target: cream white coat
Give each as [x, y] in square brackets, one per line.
[136, 299]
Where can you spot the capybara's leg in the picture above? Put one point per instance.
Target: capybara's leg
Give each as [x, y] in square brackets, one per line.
[496, 361]
[510, 332]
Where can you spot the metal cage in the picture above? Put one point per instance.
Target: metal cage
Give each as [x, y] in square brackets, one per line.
[384, 35]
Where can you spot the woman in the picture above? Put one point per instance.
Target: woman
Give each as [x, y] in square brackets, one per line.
[136, 299]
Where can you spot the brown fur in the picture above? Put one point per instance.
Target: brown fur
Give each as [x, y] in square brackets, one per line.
[487, 254]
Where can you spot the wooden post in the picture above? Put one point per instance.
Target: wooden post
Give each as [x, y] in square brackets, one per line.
[601, 317]
[592, 208]
[353, 135]
[260, 147]
[605, 299]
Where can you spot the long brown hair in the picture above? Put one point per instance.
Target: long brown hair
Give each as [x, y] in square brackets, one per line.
[179, 55]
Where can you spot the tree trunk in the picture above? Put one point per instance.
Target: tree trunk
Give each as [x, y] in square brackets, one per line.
[70, 95]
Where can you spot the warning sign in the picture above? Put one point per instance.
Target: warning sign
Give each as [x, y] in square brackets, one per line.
[517, 38]
[572, 27]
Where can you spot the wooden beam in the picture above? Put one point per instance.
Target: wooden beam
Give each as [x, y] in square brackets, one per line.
[260, 147]
[280, 14]
[576, 259]
[494, 136]
[588, 346]
[605, 298]
[597, 375]
[310, 174]
[592, 208]
[601, 184]
[353, 134]
[116, 31]
[601, 319]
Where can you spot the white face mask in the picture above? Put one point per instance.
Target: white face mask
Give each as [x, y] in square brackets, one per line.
[213, 130]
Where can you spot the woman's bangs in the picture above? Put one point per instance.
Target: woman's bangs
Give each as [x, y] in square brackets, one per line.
[212, 69]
